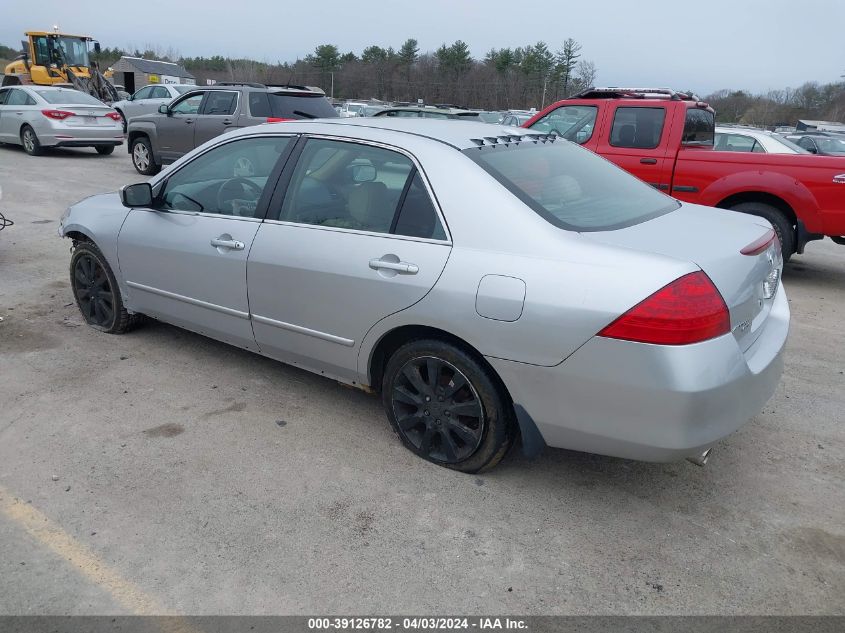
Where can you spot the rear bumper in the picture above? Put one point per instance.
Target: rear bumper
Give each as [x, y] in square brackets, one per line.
[651, 402]
[84, 137]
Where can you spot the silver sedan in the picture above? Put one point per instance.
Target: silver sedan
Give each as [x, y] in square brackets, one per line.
[37, 117]
[489, 283]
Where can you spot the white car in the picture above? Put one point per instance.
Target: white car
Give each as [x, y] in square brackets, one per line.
[742, 139]
[351, 109]
[38, 117]
[148, 99]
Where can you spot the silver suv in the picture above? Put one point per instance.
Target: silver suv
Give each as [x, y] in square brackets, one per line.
[200, 115]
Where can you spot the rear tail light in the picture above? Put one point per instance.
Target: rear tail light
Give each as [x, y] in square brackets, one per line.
[758, 246]
[688, 310]
[58, 115]
[276, 119]
[114, 116]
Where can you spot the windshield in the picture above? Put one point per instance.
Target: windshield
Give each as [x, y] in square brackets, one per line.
[67, 96]
[74, 51]
[571, 187]
[183, 89]
[831, 145]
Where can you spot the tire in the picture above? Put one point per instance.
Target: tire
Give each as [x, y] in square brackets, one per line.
[142, 157]
[30, 142]
[96, 291]
[783, 227]
[424, 411]
[104, 150]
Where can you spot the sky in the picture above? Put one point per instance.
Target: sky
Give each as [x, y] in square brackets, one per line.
[703, 45]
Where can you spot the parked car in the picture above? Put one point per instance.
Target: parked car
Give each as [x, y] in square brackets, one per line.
[822, 145]
[370, 110]
[351, 109]
[487, 281]
[666, 139]
[491, 116]
[203, 113]
[40, 117]
[745, 139]
[148, 99]
[516, 119]
[428, 112]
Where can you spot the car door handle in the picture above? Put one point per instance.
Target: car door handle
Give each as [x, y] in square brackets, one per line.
[403, 268]
[648, 161]
[227, 122]
[189, 120]
[235, 245]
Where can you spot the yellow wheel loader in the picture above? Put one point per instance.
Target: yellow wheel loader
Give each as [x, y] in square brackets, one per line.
[55, 58]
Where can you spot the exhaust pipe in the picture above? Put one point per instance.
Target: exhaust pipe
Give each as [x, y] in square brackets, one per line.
[700, 460]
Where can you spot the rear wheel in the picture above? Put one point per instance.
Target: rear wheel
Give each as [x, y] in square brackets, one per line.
[30, 142]
[104, 150]
[782, 225]
[96, 291]
[142, 157]
[446, 407]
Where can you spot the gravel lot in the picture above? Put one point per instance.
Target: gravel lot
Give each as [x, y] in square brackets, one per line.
[162, 471]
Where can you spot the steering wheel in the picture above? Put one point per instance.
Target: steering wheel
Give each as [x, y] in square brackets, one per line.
[229, 194]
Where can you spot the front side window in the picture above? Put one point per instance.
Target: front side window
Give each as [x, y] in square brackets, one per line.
[42, 51]
[220, 102]
[638, 128]
[144, 93]
[354, 186]
[699, 127]
[831, 145]
[574, 123]
[227, 180]
[188, 105]
[570, 187]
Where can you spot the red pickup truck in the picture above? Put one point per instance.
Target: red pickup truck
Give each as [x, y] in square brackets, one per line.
[666, 139]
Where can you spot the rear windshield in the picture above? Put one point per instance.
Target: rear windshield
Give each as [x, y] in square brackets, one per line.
[183, 89]
[285, 105]
[68, 97]
[572, 187]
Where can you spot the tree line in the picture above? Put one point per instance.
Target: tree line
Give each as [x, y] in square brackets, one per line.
[522, 77]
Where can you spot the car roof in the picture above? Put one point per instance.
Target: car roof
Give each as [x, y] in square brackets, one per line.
[457, 133]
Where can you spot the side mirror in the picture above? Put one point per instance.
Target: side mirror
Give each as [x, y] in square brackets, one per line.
[163, 109]
[137, 195]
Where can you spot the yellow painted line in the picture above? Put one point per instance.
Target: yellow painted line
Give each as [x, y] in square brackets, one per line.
[47, 533]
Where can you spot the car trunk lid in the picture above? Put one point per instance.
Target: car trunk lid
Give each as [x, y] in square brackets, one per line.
[86, 115]
[714, 239]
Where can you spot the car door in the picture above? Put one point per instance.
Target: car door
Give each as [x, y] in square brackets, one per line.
[356, 238]
[175, 130]
[636, 143]
[217, 114]
[184, 260]
[14, 114]
[139, 103]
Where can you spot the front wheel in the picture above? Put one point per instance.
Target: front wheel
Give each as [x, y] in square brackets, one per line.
[30, 142]
[104, 150]
[142, 157]
[96, 291]
[446, 407]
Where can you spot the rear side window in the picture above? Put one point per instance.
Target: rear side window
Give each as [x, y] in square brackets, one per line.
[571, 187]
[300, 106]
[738, 143]
[699, 127]
[259, 105]
[220, 102]
[638, 128]
[417, 217]
[19, 97]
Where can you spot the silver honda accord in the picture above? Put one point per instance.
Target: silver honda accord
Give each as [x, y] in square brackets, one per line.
[489, 282]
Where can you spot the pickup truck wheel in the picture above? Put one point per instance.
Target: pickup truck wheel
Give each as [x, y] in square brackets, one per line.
[783, 227]
[142, 157]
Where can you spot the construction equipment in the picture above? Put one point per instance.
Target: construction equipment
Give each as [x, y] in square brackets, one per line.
[51, 58]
